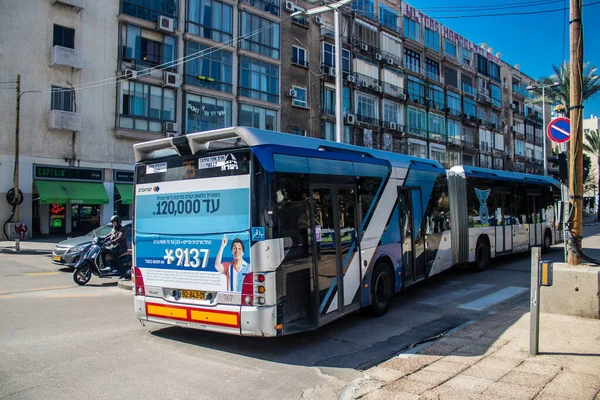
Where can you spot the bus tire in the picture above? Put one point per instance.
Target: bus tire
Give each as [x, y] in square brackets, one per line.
[482, 254]
[382, 289]
[547, 243]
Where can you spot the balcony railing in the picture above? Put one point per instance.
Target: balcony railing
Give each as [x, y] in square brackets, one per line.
[366, 81]
[398, 61]
[393, 90]
[416, 131]
[299, 61]
[64, 120]
[65, 56]
[365, 47]
[434, 77]
[78, 4]
[486, 147]
[366, 119]
[469, 90]
[440, 137]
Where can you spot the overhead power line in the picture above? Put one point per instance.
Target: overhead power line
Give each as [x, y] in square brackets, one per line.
[480, 7]
[511, 13]
[491, 8]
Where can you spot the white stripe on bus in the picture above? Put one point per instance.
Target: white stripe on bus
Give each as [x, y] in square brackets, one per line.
[195, 185]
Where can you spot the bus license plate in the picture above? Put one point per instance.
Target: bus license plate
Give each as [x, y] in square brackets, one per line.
[192, 294]
[56, 258]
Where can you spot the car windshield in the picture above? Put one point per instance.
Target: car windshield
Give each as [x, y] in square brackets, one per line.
[101, 231]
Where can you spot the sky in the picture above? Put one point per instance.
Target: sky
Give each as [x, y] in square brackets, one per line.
[534, 41]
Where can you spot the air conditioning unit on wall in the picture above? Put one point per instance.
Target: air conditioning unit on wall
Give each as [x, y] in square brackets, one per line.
[166, 24]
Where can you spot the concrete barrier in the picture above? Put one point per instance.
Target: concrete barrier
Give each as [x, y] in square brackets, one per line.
[575, 291]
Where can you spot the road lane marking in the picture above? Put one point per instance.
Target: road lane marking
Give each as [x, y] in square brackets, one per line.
[7, 297]
[455, 295]
[493, 299]
[42, 273]
[39, 289]
[56, 296]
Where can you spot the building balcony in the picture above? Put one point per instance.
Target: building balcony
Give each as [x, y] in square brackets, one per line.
[67, 57]
[434, 77]
[392, 59]
[368, 82]
[484, 98]
[439, 137]
[470, 90]
[485, 147]
[411, 130]
[394, 91]
[76, 4]
[365, 119]
[64, 120]
[365, 47]
[517, 90]
[392, 126]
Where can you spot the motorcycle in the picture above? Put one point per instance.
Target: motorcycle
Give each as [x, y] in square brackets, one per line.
[93, 263]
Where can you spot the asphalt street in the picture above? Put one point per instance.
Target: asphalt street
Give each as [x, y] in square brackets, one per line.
[62, 341]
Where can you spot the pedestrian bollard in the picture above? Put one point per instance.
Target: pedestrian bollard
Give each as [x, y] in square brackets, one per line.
[541, 275]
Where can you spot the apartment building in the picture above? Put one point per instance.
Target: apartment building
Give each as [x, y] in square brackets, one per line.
[108, 74]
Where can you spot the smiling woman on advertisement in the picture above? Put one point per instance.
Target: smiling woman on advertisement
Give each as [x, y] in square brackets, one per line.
[236, 270]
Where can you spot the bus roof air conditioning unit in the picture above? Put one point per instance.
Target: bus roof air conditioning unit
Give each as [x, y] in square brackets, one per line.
[170, 127]
[350, 119]
[165, 24]
[171, 79]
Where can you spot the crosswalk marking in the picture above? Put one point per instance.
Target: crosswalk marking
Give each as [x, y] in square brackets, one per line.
[457, 294]
[42, 273]
[492, 299]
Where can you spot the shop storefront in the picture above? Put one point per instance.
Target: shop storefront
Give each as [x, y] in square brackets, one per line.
[123, 199]
[67, 199]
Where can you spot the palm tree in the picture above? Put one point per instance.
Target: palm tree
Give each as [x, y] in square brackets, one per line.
[592, 146]
[562, 74]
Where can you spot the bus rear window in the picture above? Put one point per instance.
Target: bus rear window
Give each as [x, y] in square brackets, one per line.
[195, 167]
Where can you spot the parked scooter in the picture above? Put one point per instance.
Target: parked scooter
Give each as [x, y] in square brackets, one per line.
[93, 263]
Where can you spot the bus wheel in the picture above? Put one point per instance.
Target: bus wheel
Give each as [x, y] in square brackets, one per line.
[482, 255]
[381, 289]
[547, 240]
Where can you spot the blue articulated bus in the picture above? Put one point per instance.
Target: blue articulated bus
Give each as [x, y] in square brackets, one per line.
[260, 233]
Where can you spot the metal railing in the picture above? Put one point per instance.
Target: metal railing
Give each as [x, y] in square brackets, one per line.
[469, 90]
[367, 119]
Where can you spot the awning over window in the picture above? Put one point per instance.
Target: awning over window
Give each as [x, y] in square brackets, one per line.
[126, 192]
[63, 192]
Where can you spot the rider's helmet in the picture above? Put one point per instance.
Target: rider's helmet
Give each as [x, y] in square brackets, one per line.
[117, 219]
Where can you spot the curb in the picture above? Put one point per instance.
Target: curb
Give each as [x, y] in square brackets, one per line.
[25, 251]
[125, 285]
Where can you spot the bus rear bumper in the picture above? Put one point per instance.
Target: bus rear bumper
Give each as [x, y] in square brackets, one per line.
[233, 320]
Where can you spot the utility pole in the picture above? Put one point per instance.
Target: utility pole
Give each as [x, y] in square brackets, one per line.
[576, 145]
[16, 171]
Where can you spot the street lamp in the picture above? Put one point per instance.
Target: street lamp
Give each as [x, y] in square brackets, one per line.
[543, 87]
[337, 15]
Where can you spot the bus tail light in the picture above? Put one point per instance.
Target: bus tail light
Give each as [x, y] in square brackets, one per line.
[138, 281]
[248, 290]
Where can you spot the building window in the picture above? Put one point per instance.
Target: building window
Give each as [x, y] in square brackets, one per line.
[212, 70]
[436, 97]
[141, 50]
[466, 57]
[416, 90]
[328, 132]
[498, 163]
[393, 82]
[416, 121]
[453, 103]
[63, 37]
[412, 60]
[328, 57]
[391, 113]
[453, 158]
[364, 7]
[299, 56]
[271, 7]
[433, 69]
[365, 33]
[499, 141]
[258, 117]
[388, 18]
[496, 94]
[451, 77]
[449, 48]
[62, 99]
[438, 154]
[266, 42]
[210, 19]
[145, 107]
[150, 10]
[494, 70]
[453, 129]
[494, 119]
[482, 65]
[203, 113]
[328, 100]
[300, 98]
[432, 40]
[437, 127]
[417, 148]
[485, 161]
[366, 108]
[412, 29]
[259, 80]
[469, 107]
[392, 47]
[298, 132]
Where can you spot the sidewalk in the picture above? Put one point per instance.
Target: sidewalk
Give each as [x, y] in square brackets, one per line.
[43, 245]
[490, 360]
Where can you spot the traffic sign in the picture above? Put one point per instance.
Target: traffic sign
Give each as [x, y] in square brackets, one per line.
[559, 130]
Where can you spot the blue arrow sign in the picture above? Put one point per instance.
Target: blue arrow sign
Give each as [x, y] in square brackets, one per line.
[559, 130]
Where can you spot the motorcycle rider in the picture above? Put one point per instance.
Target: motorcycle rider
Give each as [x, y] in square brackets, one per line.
[116, 243]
